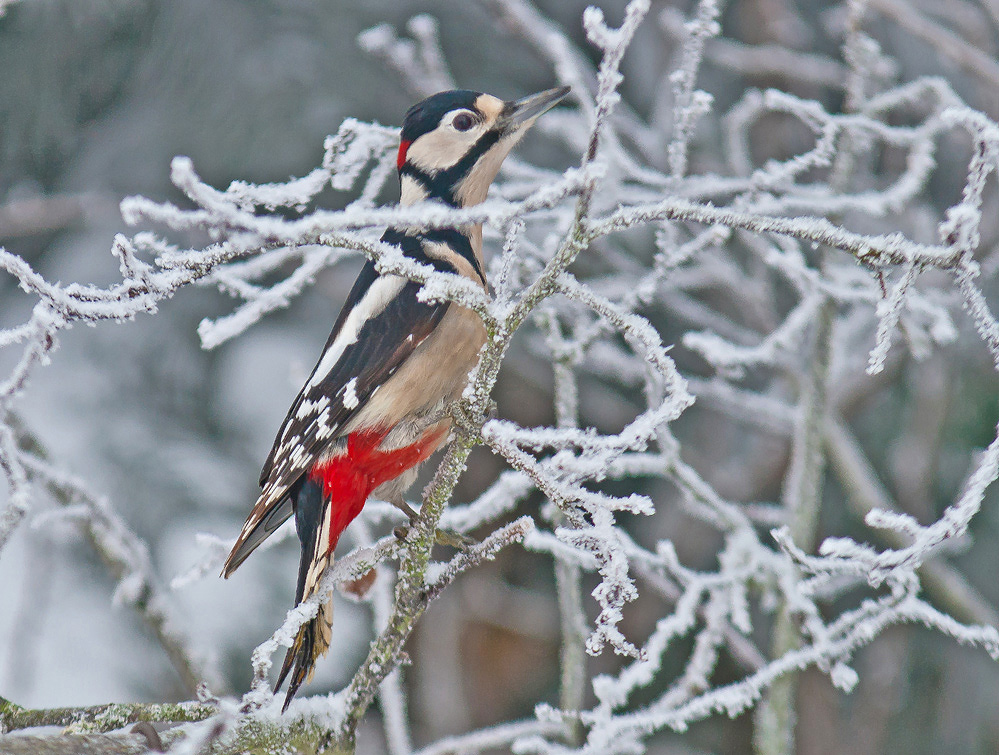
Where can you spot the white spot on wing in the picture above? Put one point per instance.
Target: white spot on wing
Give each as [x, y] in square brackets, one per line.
[323, 427]
[308, 407]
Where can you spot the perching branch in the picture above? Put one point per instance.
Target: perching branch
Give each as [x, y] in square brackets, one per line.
[125, 556]
[100, 718]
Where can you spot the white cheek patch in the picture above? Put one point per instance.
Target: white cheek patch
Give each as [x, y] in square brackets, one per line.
[382, 291]
[441, 148]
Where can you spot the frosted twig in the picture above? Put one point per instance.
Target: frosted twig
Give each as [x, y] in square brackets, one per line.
[985, 321]
[346, 569]
[514, 532]
[866, 493]
[878, 251]
[769, 60]
[492, 738]
[690, 104]
[889, 312]
[420, 63]
[948, 43]
[127, 559]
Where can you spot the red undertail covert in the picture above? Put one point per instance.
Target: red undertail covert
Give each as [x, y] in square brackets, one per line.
[350, 478]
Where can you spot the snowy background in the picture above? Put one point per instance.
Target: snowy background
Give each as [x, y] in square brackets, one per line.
[97, 97]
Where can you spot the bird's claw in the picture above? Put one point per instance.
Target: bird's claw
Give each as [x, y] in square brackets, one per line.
[453, 539]
[443, 536]
[492, 410]
[471, 421]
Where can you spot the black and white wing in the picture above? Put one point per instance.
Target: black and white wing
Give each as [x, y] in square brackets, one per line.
[380, 326]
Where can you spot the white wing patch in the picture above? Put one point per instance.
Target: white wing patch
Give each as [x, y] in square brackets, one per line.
[308, 407]
[382, 291]
[350, 399]
[315, 415]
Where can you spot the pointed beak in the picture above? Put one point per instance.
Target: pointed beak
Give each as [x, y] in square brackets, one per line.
[520, 113]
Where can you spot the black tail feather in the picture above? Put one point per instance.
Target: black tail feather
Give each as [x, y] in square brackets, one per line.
[313, 637]
[311, 642]
[299, 655]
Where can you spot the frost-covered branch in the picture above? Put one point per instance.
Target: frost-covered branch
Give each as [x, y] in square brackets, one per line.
[124, 554]
[99, 718]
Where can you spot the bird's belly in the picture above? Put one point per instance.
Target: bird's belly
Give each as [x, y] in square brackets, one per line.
[428, 381]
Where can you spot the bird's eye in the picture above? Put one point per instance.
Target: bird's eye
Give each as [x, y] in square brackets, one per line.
[463, 122]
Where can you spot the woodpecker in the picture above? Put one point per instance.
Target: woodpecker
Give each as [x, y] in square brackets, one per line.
[374, 407]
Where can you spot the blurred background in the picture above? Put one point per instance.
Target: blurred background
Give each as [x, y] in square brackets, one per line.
[97, 96]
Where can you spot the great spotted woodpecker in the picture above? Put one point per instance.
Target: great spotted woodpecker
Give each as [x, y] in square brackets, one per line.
[374, 406]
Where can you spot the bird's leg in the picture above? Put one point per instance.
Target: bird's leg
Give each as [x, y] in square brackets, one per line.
[400, 503]
[402, 531]
[443, 536]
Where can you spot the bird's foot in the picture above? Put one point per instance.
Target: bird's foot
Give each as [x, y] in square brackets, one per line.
[400, 503]
[453, 539]
[443, 536]
[492, 410]
[471, 421]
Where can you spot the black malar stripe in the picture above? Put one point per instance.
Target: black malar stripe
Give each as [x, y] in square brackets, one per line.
[460, 243]
[412, 247]
[443, 184]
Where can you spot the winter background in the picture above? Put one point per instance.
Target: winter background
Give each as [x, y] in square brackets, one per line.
[98, 96]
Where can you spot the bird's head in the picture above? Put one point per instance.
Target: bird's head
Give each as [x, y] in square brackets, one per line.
[453, 143]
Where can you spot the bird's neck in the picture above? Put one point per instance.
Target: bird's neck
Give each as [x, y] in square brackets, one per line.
[418, 189]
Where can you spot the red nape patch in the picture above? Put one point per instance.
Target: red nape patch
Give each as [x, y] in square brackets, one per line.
[403, 149]
[349, 479]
